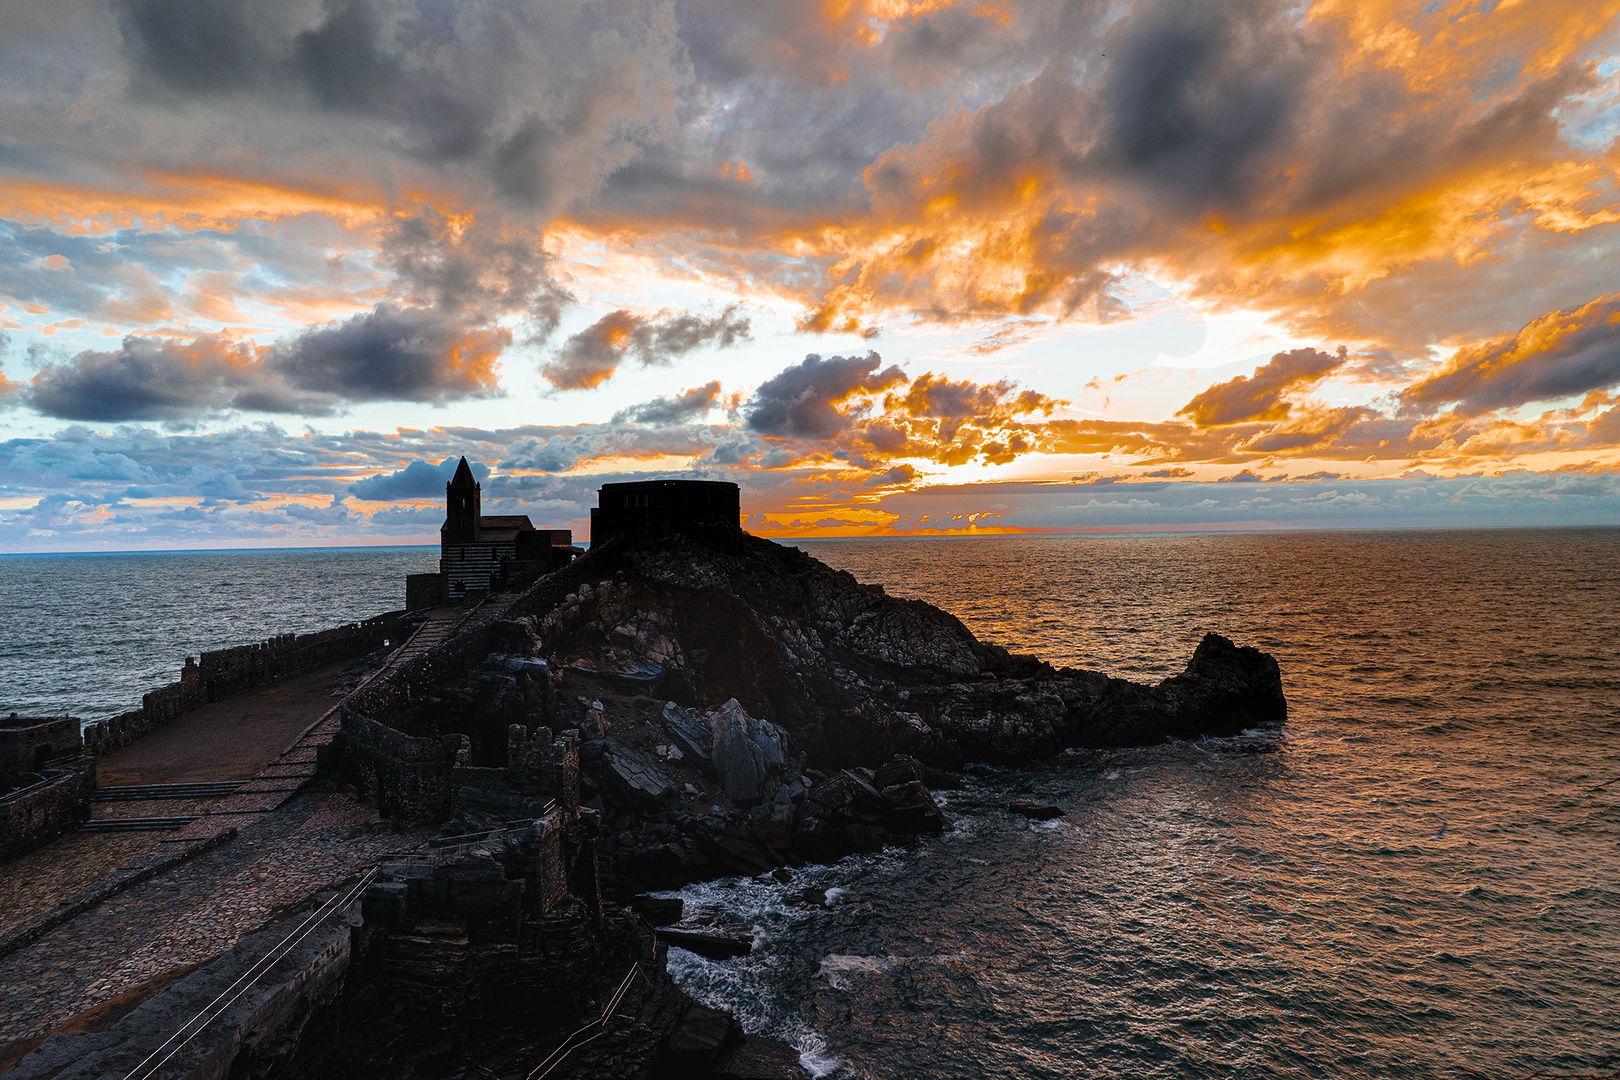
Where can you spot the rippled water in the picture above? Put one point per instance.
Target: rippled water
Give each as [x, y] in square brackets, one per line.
[1416, 878]
[87, 635]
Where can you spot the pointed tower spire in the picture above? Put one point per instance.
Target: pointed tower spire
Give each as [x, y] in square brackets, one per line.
[462, 496]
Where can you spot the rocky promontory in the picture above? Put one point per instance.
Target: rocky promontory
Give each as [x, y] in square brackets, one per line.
[669, 710]
[743, 705]
[855, 675]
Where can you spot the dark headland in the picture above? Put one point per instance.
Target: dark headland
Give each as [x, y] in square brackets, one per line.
[683, 702]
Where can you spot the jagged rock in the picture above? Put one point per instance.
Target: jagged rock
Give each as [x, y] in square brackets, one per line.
[772, 819]
[698, 1040]
[732, 850]
[908, 807]
[855, 676]
[631, 677]
[515, 636]
[658, 910]
[691, 733]
[1036, 811]
[841, 815]
[747, 752]
[759, 1058]
[709, 943]
[850, 813]
[633, 775]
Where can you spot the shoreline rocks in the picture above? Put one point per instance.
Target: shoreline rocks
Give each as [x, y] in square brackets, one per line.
[1036, 811]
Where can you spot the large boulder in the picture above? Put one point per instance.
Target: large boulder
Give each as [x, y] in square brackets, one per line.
[908, 806]
[634, 776]
[849, 812]
[691, 733]
[842, 815]
[748, 753]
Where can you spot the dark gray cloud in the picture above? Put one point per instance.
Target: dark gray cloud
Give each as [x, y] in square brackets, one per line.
[1261, 396]
[394, 354]
[491, 265]
[158, 379]
[1561, 354]
[804, 400]
[199, 46]
[590, 357]
[537, 99]
[417, 480]
[1197, 93]
[685, 407]
[387, 354]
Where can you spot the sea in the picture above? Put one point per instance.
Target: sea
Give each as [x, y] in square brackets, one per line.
[87, 635]
[1417, 876]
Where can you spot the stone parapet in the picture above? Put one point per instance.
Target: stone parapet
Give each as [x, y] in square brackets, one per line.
[226, 672]
[404, 776]
[37, 814]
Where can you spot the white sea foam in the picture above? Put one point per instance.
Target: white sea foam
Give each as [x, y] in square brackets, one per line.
[840, 970]
[819, 1060]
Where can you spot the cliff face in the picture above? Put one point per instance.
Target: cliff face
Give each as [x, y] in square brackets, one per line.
[855, 675]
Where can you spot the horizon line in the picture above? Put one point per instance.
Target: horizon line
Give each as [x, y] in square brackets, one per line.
[1222, 528]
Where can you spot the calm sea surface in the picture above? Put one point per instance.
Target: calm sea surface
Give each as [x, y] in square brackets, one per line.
[1418, 877]
[87, 635]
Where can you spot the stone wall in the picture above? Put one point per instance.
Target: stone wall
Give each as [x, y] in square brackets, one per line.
[37, 814]
[272, 1014]
[403, 776]
[424, 591]
[225, 672]
[28, 742]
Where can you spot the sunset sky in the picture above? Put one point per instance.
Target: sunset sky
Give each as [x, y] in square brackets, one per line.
[268, 267]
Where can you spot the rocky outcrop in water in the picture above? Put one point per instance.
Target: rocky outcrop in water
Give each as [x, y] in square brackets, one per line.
[699, 706]
[747, 706]
[854, 675]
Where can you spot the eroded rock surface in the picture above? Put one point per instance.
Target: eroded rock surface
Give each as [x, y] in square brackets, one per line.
[855, 676]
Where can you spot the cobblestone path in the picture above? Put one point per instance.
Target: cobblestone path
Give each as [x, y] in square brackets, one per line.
[192, 913]
[38, 881]
[288, 845]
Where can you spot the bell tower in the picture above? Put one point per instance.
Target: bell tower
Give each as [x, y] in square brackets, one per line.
[461, 506]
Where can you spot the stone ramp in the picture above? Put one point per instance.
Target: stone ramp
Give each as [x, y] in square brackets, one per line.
[205, 883]
[229, 739]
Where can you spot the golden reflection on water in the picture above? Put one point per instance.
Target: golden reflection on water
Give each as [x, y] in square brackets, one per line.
[1415, 878]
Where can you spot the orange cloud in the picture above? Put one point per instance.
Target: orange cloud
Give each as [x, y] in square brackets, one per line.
[184, 201]
[1561, 354]
[1262, 397]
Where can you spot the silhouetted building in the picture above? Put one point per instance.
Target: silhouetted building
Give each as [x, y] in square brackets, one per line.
[477, 552]
[648, 509]
[28, 742]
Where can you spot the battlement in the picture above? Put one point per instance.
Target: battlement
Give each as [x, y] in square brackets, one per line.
[649, 509]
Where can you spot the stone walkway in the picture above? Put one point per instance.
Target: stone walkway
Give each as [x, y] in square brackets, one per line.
[192, 913]
[229, 739]
[36, 882]
[289, 843]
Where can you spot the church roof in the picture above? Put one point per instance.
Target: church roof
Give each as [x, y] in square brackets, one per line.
[463, 477]
[520, 522]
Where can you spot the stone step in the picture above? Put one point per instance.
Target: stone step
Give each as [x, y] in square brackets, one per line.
[138, 824]
[142, 792]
